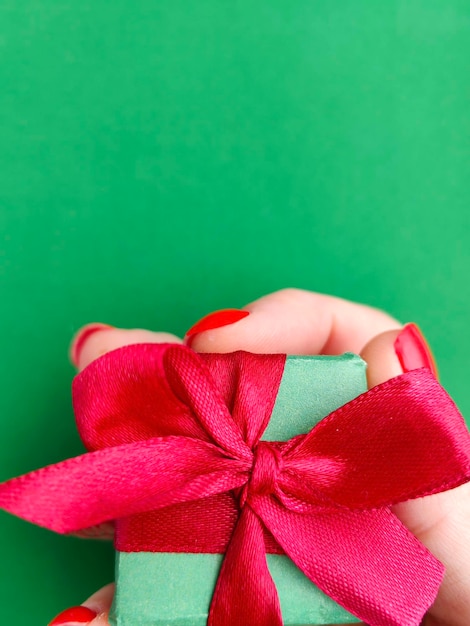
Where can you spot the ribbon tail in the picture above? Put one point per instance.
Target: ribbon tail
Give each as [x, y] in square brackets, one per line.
[366, 561]
[245, 592]
[117, 482]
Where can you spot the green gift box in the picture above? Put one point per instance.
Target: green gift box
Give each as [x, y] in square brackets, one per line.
[206, 509]
[175, 589]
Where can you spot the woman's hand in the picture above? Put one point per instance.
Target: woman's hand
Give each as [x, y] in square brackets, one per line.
[299, 322]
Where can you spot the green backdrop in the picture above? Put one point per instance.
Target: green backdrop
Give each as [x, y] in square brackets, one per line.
[159, 160]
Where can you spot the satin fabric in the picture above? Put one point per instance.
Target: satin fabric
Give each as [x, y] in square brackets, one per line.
[168, 427]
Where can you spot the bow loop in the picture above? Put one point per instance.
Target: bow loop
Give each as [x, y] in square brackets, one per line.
[143, 391]
[127, 395]
[402, 439]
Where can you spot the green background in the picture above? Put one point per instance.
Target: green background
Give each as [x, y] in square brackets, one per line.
[159, 160]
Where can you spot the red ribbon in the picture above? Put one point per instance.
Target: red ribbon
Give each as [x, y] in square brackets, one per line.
[165, 433]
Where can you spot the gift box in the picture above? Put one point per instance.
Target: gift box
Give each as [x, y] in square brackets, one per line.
[241, 485]
[162, 588]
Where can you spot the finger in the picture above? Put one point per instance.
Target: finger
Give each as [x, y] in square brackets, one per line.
[439, 521]
[397, 351]
[100, 602]
[293, 321]
[94, 340]
[299, 322]
[93, 612]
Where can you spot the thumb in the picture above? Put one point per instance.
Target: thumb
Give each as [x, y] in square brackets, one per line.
[93, 612]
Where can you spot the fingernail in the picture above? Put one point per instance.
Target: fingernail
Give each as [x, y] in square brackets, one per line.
[74, 615]
[81, 337]
[413, 351]
[217, 320]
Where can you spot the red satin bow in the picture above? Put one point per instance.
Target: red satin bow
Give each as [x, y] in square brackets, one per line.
[165, 432]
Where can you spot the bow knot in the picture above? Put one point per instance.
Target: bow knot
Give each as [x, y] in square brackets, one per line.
[267, 465]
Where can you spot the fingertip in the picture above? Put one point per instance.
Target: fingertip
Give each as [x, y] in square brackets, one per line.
[413, 350]
[93, 612]
[217, 319]
[395, 352]
[381, 358]
[81, 337]
[96, 339]
[102, 619]
[80, 615]
[295, 321]
[234, 334]
[100, 602]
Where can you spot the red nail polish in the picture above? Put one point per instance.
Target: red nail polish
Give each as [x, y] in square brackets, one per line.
[74, 615]
[216, 320]
[413, 351]
[80, 338]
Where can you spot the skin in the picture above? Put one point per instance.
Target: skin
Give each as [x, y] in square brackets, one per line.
[299, 322]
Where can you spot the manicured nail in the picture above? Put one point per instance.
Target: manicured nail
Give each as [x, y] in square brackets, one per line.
[81, 337]
[413, 351]
[217, 320]
[75, 615]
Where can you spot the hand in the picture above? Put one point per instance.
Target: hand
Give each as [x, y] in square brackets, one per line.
[298, 322]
